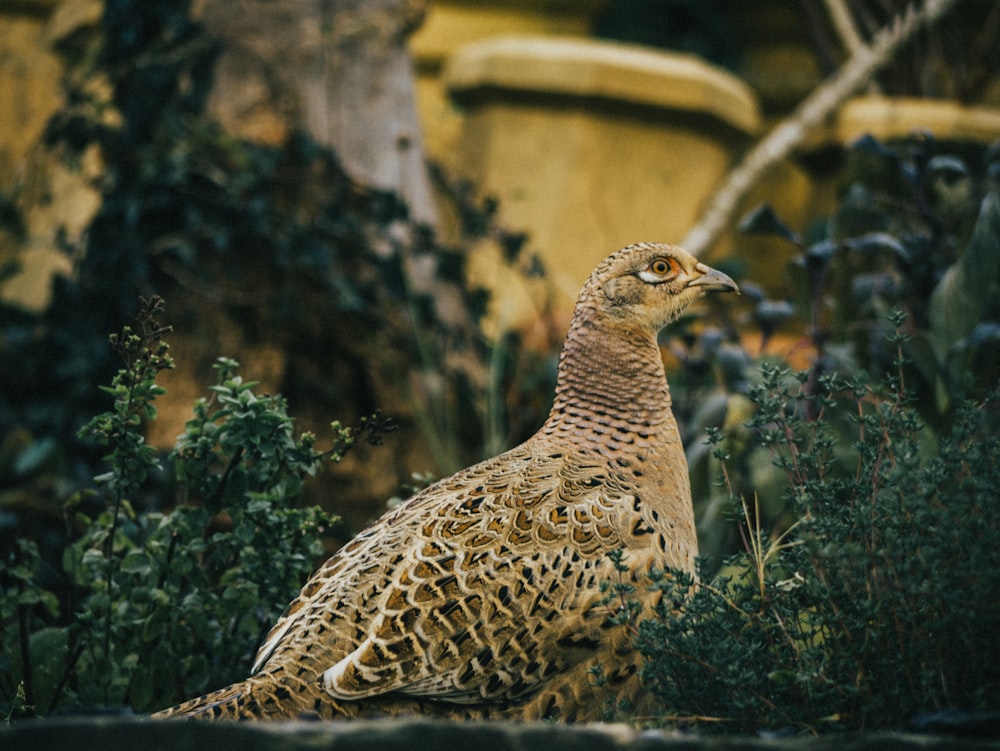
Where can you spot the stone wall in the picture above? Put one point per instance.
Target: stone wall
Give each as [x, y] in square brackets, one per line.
[56, 202]
[418, 735]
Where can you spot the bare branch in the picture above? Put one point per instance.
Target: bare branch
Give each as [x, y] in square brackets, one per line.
[840, 15]
[815, 108]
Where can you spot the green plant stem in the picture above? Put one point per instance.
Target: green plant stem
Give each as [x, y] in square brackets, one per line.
[220, 490]
[25, 645]
[109, 551]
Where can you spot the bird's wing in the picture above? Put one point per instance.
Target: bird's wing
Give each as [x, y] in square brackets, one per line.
[478, 588]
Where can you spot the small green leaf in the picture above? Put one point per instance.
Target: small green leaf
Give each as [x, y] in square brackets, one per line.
[49, 652]
[136, 562]
[959, 300]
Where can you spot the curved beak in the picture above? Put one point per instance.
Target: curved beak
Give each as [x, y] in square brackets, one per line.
[712, 280]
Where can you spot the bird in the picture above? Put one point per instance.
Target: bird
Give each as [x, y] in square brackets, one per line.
[481, 595]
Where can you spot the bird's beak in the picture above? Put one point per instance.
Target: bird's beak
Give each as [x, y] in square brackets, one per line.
[712, 279]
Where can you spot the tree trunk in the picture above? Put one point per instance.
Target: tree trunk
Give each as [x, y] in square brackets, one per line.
[337, 69]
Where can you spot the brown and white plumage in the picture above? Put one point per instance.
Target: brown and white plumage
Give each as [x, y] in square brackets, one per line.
[479, 596]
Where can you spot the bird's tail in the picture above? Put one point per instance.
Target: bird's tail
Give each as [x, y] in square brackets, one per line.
[233, 702]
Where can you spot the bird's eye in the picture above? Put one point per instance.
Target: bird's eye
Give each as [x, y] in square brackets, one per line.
[660, 269]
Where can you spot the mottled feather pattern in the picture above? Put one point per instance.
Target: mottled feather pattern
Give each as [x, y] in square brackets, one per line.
[480, 595]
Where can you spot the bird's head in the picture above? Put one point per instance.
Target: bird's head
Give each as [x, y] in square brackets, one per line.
[650, 285]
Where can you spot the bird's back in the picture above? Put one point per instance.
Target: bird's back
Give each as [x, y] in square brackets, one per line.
[466, 598]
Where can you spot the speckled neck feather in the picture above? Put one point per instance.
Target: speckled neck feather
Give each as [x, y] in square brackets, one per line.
[608, 378]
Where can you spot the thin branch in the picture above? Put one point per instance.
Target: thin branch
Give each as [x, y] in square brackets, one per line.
[815, 108]
[850, 37]
[840, 16]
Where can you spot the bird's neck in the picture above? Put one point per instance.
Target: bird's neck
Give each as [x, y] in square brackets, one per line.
[611, 382]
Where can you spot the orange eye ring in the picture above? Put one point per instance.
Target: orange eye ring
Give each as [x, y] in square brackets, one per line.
[663, 267]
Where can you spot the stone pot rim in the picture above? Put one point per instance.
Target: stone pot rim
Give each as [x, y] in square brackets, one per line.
[609, 71]
[888, 118]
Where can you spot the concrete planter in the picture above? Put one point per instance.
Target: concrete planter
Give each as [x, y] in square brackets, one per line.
[450, 24]
[590, 146]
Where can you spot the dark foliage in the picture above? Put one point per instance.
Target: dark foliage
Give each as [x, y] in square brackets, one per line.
[873, 608]
[860, 491]
[164, 605]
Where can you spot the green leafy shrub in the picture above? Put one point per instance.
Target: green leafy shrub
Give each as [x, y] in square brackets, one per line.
[916, 228]
[849, 575]
[162, 605]
[878, 604]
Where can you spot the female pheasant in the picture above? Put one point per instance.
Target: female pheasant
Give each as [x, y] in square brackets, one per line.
[480, 595]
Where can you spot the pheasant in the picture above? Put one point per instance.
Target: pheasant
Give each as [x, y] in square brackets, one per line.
[480, 596]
